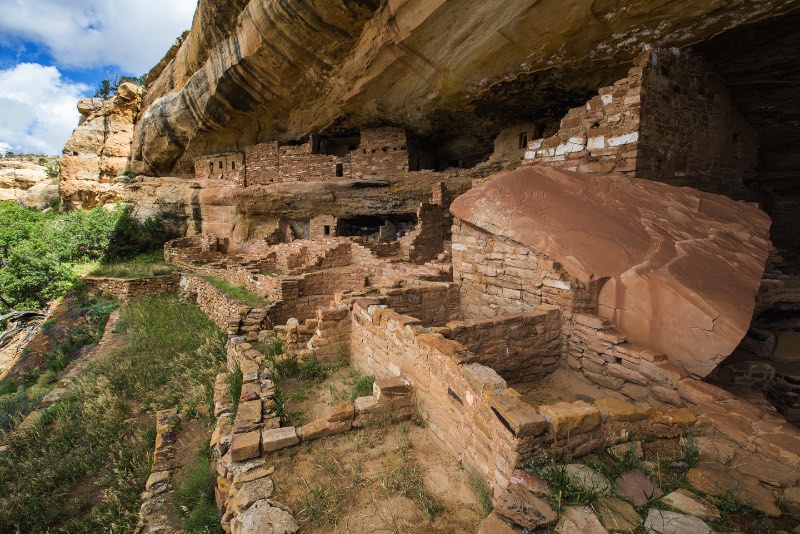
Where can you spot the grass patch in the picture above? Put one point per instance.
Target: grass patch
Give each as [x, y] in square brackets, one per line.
[194, 500]
[564, 491]
[483, 492]
[144, 265]
[325, 499]
[237, 292]
[81, 465]
[406, 479]
[362, 387]
[18, 399]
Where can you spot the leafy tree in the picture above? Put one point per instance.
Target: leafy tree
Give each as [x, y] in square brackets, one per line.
[104, 89]
[38, 250]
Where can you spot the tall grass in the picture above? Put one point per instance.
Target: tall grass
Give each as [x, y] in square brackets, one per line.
[236, 292]
[81, 466]
[144, 265]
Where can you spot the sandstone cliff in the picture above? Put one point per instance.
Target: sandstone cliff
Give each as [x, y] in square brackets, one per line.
[262, 70]
[27, 182]
[99, 149]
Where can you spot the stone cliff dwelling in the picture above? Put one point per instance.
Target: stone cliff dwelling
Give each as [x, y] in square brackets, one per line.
[584, 254]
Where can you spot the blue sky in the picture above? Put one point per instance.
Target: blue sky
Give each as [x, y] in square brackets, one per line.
[54, 52]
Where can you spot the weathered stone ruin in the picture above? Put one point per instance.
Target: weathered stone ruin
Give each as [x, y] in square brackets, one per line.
[545, 229]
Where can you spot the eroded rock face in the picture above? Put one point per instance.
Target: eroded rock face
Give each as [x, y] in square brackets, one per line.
[99, 149]
[27, 183]
[681, 267]
[263, 70]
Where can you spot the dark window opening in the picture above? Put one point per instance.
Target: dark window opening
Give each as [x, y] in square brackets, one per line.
[339, 169]
[523, 140]
[737, 146]
[220, 165]
[211, 167]
[233, 166]
[326, 230]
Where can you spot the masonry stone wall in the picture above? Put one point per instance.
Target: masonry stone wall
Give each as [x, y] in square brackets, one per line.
[519, 347]
[471, 412]
[690, 132]
[426, 241]
[381, 152]
[263, 163]
[499, 277]
[434, 304]
[131, 288]
[231, 315]
[229, 167]
[324, 226]
[670, 120]
[602, 135]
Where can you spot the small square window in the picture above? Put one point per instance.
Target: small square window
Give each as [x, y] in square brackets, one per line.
[326, 230]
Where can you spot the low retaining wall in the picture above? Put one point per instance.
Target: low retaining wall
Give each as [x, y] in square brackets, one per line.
[131, 288]
[231, 315]
[152, 515]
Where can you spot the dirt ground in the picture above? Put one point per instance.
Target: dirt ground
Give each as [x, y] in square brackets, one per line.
[563, 385]
[389, 478]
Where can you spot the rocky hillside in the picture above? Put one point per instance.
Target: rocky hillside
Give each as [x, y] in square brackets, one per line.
[24, 179]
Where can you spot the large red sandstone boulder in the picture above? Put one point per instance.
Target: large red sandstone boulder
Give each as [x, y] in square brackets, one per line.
[682, 266]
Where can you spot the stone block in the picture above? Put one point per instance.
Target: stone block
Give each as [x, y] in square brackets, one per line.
[245, 446]
[492, 524]
[672, 416]
[278, 438]
[617, 410]
[571, 418]
[249, 412]
[523, 508]
[517, 415]
[396, 386]
[579, 520]
[343, 411]
[322, 428]
[482, 378]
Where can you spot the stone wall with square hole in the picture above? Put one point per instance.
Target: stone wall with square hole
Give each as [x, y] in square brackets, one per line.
[381, 152]
[324, 226]
[228, 167]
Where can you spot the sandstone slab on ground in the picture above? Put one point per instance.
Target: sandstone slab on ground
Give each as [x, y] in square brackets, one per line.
[617, 515]
[579, 520]
[529, 481]
[687, 502]
[683, 266]
[665, 522]
[523, 508]
[637, 487]
[587, 478]
[492, 524]
[262, 517]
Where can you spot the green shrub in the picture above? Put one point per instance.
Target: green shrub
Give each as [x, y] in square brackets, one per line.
[362, 387]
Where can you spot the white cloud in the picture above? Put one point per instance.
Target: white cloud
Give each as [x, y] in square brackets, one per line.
[37, 108]
[132, 35]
